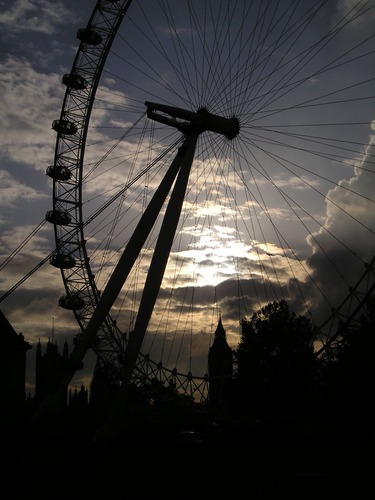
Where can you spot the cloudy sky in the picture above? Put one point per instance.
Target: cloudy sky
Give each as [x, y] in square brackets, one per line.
[284, 210]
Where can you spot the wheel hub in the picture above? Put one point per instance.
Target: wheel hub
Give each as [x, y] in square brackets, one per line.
[189, 122]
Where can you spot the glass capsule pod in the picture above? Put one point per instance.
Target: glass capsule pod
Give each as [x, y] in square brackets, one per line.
[58, 217]
[64, 127]
[71, 302]
[59, 172]
[74, 81]
[89, 36]
[62, 261]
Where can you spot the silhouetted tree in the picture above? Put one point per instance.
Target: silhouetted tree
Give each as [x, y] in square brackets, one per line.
[348, 398]
[276, 367]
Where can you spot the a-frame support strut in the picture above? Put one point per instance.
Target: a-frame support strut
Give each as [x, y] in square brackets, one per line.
[112, 426]
[181, 163]
[160, 257]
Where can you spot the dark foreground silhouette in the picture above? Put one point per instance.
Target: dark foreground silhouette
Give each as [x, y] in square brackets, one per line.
[286, 423]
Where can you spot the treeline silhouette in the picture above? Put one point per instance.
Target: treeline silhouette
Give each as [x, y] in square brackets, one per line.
[282, 393]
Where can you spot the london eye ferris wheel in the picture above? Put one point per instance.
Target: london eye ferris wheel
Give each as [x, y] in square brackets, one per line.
[211, 157]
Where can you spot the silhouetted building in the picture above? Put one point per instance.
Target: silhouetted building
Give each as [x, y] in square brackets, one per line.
[104, 386]
[78, 400]
[49, 369]
[220, 366]
[12, 368]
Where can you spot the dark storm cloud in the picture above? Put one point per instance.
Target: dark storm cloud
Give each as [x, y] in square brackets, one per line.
[347, 237]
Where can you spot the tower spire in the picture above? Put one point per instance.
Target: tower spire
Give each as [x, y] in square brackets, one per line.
[220, 366]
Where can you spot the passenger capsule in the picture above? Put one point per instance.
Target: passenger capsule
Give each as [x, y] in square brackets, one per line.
[71, 302]
[64, 127]
[59, 172]
[89, 36]
[58, 217]
[74, 81]
[62, 261]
